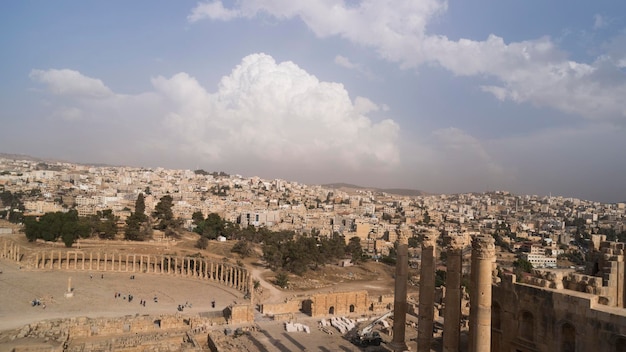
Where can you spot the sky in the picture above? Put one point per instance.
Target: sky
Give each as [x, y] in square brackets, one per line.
[442, 96]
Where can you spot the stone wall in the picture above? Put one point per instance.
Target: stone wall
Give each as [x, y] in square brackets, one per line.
[129, 333]
[289, 306]
[240, 313]
[339, 303]
[529, 318]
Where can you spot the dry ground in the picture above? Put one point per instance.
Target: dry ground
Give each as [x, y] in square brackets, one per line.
[96, 296]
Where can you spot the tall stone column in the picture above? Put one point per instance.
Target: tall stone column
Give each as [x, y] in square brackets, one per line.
[427, 292]
[452, 314]
[399, 299]
[483, 254]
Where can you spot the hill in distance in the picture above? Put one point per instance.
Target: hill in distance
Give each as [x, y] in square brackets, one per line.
[397, 191]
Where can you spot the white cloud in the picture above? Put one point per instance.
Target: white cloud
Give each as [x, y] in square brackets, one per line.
[279, 113]
[68, 114]
[599, 21]
[70, 82]
[262, 112]
[532, 71]
[211, 10]
[345, 62]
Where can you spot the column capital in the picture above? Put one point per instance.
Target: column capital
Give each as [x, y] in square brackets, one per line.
[484, 246]
[430, 238]
[403, 234]
[455, 242]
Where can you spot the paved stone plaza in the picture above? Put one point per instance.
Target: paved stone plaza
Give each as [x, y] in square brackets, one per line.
[94, 295]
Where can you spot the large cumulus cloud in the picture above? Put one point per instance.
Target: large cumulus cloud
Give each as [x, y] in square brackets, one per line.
[263, 112]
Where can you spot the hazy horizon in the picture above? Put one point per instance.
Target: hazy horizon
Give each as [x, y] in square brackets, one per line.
[439, 96]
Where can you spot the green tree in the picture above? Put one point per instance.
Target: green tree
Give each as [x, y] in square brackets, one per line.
[243, 248]
[414, 242]
[355, 250]
[163, 212]
[426, 218]
[522, 266]
[282, 280]
[202, 242]
[213, 226]
[140, 207]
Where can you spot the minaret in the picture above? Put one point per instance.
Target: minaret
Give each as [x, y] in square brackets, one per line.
[399, 302]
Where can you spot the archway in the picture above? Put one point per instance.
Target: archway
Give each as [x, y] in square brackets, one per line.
[527, 326]
[352, 308]
[568, 338]
[331, 310]
[620, 344]
[496, 322]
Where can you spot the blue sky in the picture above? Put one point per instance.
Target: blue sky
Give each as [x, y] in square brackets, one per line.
[443, 96]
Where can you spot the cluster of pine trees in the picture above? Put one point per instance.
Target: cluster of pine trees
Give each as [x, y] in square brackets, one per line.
[69, 227]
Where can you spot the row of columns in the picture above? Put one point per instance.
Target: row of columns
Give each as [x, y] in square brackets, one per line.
[11, 250]
[483, 255]
[226, 274]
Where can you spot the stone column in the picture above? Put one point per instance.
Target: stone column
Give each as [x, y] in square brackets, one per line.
[106, 260]
[60, 259]
[483, 254]
[399, 300]
[90, 260]
[427, 292]
[176, 266]
[452, 300]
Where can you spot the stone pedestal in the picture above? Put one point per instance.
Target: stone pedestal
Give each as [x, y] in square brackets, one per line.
[452, 300]
[70, 292]
[483, 255]
[427, 292]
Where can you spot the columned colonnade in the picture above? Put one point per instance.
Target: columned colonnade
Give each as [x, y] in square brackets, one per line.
[220, 272]
[483, 256]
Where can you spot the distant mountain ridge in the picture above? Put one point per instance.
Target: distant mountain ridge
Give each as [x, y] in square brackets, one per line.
[396, 191]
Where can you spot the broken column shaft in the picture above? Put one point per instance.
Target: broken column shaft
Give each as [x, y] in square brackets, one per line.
[427, 292]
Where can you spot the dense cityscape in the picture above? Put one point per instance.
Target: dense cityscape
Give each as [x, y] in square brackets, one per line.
[554, 225]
